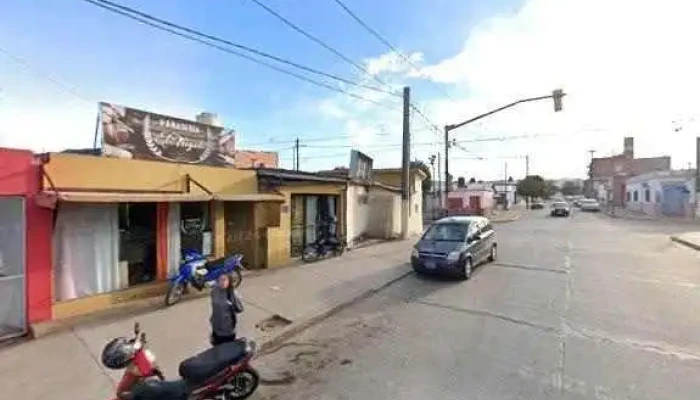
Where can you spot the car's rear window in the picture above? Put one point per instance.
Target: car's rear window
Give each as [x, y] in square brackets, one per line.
[447, 232]
[560, 205]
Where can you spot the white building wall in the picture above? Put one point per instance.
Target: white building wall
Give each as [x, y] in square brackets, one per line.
[357, 213]
[654, 204]
[415, 218]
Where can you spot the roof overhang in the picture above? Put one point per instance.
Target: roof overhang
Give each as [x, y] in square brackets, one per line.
[255, 197]
[49, 198]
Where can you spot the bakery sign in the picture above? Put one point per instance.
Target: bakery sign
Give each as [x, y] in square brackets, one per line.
[131, 133]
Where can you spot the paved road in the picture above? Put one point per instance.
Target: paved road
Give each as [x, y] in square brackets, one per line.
[581, 308]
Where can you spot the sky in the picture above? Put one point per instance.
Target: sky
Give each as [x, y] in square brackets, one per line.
[627, 66]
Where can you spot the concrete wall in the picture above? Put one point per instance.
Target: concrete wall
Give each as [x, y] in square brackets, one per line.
[357, 213]
[384, 214]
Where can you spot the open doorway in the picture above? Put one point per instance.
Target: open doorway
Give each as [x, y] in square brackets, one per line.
[137, 241]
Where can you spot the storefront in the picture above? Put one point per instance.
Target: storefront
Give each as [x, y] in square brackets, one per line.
[116, 240]
[314, 205]
[313, 216]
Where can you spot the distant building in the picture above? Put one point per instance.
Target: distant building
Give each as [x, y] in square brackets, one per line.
[608, 175]
[256, 159]
[662, 193]
[506, 192]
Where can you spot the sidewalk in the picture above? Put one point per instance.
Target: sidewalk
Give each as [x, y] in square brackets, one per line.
[66, 366]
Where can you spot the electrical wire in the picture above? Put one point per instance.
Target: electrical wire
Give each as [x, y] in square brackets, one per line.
[29, 67]
[318, 41]
[154, 22]
[386, 42]
[342, 56]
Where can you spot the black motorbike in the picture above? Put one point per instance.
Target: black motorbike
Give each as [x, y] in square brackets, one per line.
[323, 247]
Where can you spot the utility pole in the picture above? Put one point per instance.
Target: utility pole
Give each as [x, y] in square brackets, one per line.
[447, 162]
[505, 186]
[296, 151]
[697, 175]
[406, 163]
[527, 173]
[439, 187]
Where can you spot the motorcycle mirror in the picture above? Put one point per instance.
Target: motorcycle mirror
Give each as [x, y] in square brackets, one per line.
[137, 329]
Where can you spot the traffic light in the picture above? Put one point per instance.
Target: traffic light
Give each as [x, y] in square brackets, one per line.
[557, 96]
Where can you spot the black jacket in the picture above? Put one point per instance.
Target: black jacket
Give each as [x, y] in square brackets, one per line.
[225, 304]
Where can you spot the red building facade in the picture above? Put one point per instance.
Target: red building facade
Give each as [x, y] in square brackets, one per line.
[25, 248]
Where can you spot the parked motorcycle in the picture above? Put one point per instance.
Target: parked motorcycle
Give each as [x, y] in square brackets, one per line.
[323, 247]
[221, 372]
[196, 271]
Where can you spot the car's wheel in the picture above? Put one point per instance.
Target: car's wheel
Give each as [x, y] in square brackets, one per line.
[493, 254]
[467, 269]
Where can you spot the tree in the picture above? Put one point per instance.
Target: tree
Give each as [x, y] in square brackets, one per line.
[461, 182]
[532, 186]
[571, 188]
[550, 189]
[472, 180]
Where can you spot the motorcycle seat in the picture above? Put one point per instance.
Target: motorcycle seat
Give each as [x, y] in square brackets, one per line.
[218, 263]
[210, 362]
[154, 389]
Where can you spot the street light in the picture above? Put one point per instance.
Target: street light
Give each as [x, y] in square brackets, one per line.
[556, 96]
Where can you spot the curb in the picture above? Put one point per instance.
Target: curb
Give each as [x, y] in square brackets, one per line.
[685, 243]
[273, 343]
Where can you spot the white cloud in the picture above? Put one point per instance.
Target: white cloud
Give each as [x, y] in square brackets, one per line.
[393, 62]
[628, 67]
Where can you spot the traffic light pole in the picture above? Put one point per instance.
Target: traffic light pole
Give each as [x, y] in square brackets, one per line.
[556, 96]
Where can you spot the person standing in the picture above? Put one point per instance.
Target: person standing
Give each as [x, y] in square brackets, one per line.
[225, 306]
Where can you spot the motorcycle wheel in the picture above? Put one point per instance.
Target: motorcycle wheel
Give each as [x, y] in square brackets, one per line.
[310, 253]
[236, 278]
[242, 385]
[175, 292]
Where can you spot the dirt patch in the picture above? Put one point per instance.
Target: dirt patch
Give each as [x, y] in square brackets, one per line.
[272, 323]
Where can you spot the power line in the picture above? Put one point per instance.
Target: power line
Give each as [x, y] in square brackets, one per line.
[149, 19]
[318, 41]
[29, 67]
[386, 43]
[342, 56]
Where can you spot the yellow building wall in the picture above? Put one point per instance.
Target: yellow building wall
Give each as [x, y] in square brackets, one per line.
[278, 238]
[75, 171]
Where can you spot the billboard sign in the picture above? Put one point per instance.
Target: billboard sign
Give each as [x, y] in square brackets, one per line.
[360, 166]
[131, 133]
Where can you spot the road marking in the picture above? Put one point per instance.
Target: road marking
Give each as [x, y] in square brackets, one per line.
[489, 314]
[529, 267]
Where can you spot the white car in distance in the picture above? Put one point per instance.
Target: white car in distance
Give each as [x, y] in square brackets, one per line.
[590, 205]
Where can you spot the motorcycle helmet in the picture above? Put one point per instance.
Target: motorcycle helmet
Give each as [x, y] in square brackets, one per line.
[117, 353]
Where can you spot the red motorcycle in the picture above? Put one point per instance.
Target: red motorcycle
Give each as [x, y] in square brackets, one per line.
[222, 372]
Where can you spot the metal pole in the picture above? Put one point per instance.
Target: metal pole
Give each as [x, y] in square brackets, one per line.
[406, 163]
[527, 173]
[296, 150]
[697, 175]
[447, 162]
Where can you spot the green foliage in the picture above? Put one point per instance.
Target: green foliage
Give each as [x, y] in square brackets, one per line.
[533, 186]
[571, 188]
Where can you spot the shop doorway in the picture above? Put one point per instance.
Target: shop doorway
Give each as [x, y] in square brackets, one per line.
[312, 216]
[12, 267]
[196, 227]
[137, 242]
[240, 230]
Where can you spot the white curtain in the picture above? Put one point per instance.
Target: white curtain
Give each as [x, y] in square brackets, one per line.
[331, 213]
[174, 255]
[311, 222]
[86, 250]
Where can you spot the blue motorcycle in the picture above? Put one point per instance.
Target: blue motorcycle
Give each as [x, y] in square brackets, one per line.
[196, 271]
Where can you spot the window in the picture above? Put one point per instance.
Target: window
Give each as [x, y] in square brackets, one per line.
[647, 195]
[629, 196]
[636, 196]
[447, 232]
